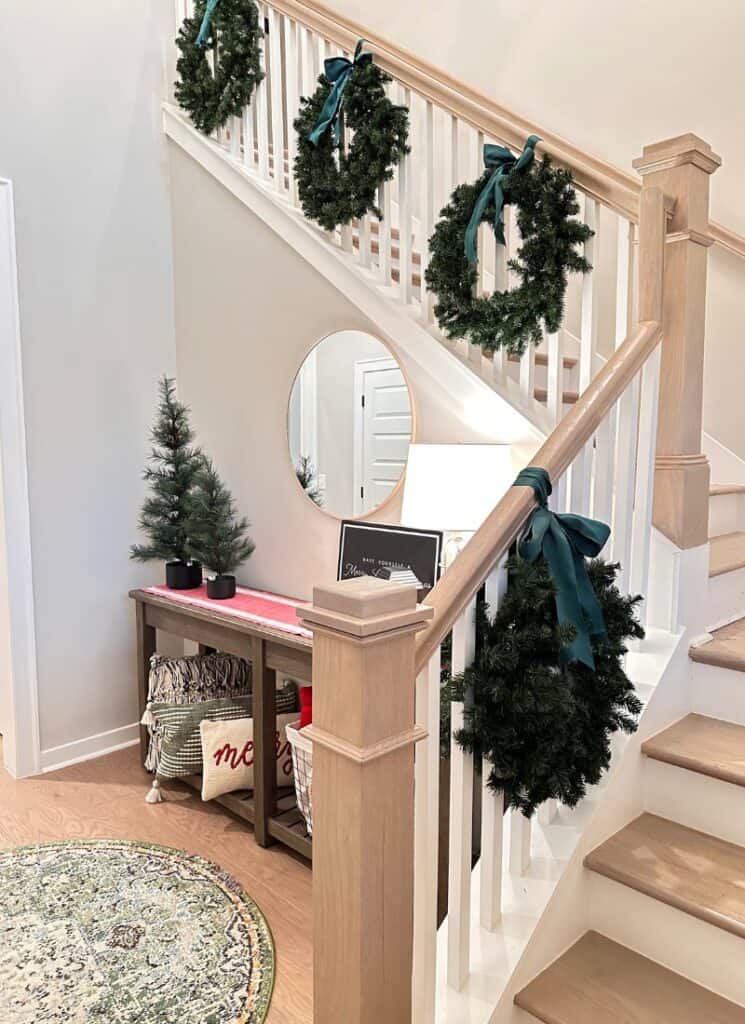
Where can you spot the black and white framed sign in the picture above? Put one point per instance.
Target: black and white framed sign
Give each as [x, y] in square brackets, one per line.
[390, 553]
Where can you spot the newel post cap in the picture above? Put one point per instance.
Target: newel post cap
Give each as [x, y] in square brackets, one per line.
[676, 152]
[365, 606]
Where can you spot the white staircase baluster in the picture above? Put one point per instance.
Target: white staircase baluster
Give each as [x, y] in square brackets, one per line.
[384, 234]
[292, 97]
[605, 451]
[628, 415]
[426, 843]
[644, 493]
[527, 372]
[429, 212]
[461, 817]
[275, 95]
[405, 190]
[235, 138]
[501, 283]
[475, 353]
[492, 804]
[555, 376]
[547, 811]
[520, 830]
[582, 466]
[249, 136]
[261, 103]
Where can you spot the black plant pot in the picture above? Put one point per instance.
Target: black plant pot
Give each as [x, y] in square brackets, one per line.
[183, 575]
[221, 588]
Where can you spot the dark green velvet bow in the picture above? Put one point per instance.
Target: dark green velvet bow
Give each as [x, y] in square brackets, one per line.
[204, 29]
[565, 541]
[337, 71]
[504, 163]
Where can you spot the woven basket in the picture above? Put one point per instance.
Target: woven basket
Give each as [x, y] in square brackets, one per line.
[302, 765]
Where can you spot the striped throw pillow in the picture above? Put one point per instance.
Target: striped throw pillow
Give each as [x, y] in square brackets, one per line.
[178, 725]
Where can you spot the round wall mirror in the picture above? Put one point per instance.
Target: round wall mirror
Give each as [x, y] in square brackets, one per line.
[349, 424]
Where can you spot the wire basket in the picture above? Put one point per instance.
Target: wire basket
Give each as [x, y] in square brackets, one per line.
[302, 764]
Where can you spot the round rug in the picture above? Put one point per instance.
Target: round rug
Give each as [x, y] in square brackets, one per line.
[113, 932]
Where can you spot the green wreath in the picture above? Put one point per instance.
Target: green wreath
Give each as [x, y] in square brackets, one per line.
[336, 185]
[546, 207]
[231, 30]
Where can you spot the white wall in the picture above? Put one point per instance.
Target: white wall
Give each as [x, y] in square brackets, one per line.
[81, 140]
[5, 659]
[611, 77]
[248, 310]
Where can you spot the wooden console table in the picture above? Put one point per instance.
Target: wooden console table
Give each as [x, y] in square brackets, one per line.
[271, 649]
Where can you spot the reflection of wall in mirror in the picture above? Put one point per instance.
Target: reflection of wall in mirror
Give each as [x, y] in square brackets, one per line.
[322, 413]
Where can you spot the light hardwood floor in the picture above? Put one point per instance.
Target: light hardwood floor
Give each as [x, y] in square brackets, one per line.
[105, 798]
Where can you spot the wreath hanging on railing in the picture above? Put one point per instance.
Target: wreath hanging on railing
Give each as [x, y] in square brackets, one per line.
[214, 92]
[337, 185]
[546, 207]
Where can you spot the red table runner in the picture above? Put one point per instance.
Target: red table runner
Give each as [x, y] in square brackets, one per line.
[252, 605]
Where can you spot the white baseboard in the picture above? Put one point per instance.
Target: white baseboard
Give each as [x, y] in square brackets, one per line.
[89, 747]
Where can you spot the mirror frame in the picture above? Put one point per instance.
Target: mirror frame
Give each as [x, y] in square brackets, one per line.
[414, 427]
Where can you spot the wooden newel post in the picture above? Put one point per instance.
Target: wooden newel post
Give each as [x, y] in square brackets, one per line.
[363, 799]
[681, 168]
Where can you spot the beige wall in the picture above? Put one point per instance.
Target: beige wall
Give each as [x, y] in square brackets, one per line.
[248, 310]
[80, 138]
[611, 76]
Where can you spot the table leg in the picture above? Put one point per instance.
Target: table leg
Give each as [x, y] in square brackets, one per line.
[265, 730]
[145, 650]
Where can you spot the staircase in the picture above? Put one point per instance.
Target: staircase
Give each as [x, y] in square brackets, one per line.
[652, 864]
[667, 889]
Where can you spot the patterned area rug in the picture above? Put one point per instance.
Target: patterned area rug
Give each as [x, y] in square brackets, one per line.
[113, 932]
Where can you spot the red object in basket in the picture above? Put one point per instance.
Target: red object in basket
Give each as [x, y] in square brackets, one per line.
[306, 706]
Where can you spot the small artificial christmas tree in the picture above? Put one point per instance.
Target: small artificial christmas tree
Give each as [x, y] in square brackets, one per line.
[217, 538]
[545, 727]
[174, 462]
[306, 475]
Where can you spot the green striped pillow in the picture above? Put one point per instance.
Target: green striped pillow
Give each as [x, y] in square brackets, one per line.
[181, 743]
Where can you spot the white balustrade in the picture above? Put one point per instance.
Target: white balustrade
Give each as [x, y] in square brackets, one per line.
[611, 477]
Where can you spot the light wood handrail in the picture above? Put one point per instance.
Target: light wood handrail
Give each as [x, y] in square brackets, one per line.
[610, 185]
[450, 596]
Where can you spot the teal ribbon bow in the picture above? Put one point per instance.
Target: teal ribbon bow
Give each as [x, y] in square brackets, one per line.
[504, 163]
[337, 71]
[204, 29]
[565, 541]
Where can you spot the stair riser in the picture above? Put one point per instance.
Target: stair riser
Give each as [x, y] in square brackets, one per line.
[725, 599]
[718, 693]
[540, 379]
[697, 950]
[697, 801]
[726, 514]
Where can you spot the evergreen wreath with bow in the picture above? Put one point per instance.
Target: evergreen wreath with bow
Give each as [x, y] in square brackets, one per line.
[547, 689]
[213, 93]
[546, 207]
[337, 185]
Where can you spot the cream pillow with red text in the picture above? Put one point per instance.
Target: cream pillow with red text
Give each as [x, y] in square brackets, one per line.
[228, 755]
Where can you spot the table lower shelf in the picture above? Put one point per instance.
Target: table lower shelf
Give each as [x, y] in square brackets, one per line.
[287, 826]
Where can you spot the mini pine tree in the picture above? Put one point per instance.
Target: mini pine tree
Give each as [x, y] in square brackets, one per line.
[543, 727]
[217, 538]
[174, 462]
[306, 475]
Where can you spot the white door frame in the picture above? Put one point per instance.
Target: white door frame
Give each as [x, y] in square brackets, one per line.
[21, 745]
[361, 367]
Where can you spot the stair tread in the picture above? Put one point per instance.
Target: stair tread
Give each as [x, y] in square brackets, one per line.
[692, 871]
[541, 359]
[598, 981]
[726, 649]
[726, 553]
[708, 746]
[716, 489]
[569, 397]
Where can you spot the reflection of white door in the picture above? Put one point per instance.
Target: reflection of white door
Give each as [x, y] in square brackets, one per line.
[382, 431]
